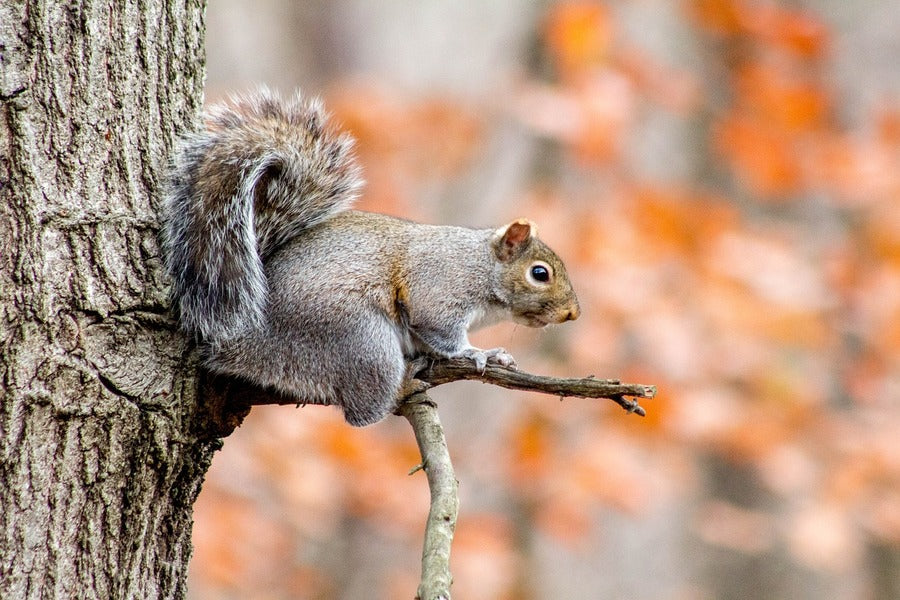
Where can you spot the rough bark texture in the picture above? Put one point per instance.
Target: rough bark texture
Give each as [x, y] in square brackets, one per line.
[102, 446]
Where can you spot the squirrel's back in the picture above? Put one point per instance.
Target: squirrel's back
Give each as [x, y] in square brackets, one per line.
[260, 172]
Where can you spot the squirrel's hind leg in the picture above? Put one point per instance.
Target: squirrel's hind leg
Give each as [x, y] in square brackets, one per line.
[352, 362]
[372, 371]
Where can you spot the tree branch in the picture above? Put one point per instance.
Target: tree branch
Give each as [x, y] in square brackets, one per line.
[441, 371]
[422, 414]
[623, 394]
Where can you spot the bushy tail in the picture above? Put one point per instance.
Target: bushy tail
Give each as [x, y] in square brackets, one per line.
[261, 172]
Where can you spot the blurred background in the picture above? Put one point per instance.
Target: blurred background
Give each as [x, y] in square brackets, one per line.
[722, 178]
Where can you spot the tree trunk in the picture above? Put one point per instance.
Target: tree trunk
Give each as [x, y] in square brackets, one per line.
[103, 446]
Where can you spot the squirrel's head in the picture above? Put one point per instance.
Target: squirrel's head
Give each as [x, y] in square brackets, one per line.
[533, 280]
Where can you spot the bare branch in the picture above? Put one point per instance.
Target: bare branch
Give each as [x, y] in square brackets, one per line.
[422, 414]
[623, 394]
[441, 371]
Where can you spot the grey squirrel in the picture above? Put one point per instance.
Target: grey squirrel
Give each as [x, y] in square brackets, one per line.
[287, 287]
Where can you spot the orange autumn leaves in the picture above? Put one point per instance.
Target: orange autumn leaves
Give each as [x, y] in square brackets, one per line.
[780, 108]
[798, 32]
[578, 35]
[599, 84]
[412, 142]
[777, 132]
[770, 333]
[780, 134]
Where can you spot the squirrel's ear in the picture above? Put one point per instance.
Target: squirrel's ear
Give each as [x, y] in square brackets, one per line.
[512, 239]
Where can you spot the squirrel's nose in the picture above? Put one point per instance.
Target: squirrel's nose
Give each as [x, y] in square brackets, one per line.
[573, 313]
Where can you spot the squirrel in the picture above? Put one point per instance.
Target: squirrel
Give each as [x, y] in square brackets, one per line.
[284, 285]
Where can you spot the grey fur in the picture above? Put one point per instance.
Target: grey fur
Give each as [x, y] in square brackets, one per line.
[288, 288]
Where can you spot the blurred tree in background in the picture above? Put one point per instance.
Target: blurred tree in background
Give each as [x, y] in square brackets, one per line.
[722, 178]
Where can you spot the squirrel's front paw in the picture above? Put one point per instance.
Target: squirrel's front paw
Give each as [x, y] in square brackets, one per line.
[499, 356]
[495, 356]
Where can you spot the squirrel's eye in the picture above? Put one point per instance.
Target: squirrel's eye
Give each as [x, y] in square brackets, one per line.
[540, 273]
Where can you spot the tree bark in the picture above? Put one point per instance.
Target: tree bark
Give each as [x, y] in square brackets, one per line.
[102, 445]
